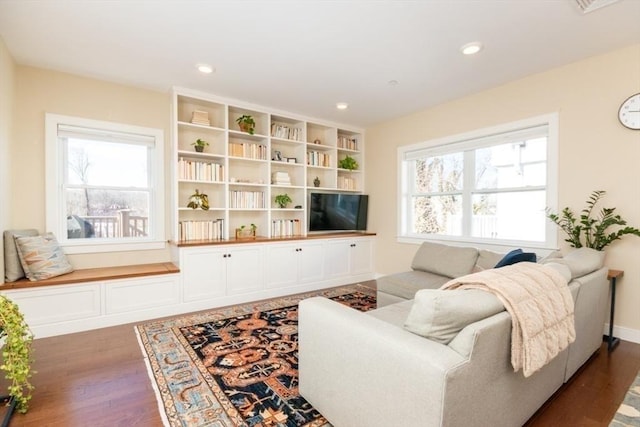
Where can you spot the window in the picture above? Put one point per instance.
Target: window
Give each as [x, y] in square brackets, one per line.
[105, 185]
[491, 186]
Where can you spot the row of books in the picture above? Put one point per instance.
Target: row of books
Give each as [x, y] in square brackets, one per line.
[347, 183]
[280, 178]
[246, 199]
[248, 150]
[286, 228]
[347, 143]
[200, 171]
[201, 230]
[200, 118]
[286, 132]
[316, 158]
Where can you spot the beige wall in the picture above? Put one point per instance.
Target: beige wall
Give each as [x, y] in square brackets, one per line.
[595, 152]
[41, 91]
[7, 71]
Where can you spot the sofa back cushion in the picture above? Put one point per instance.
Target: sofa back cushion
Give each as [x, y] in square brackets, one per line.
[580, 261]
[440, 314]
[449, 261]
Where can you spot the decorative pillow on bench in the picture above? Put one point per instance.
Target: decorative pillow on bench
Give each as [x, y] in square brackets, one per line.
[12, 266]
[42, 257]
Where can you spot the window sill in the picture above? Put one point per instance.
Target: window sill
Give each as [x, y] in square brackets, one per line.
[541, 249]
[84, 248]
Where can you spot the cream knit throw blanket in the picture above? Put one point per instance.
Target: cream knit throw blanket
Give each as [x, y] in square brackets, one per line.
[541, 308]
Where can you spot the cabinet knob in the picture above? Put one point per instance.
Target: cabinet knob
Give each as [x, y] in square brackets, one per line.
[353, 245]
[224, 255]
[229, 255]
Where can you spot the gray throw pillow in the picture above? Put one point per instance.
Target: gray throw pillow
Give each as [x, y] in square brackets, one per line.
[445, 260]
[440, 314]
[12, 267]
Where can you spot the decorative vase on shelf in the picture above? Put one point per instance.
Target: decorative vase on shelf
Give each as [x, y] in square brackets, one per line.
[316, 182]
[199, 148]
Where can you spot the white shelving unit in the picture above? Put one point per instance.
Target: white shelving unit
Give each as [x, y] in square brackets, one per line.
[285, 154]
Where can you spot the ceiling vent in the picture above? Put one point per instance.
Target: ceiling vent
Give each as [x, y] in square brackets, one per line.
[590, 5]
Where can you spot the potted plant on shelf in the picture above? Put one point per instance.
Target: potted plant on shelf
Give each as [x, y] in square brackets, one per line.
[243, 233]
[246, 124]
[198, 200]
[282, 200]
[588, 231]
[200, 144]
[348, 163]
[16, 354]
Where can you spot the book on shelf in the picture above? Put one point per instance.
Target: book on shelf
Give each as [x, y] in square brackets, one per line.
[346, 183]
[200, 171]
[286, 132]
[348, 143]
[248, 150]
[317, 158]
[280, 178]
[201, 230]
[200, 118]
[246, 199]
[286, 228]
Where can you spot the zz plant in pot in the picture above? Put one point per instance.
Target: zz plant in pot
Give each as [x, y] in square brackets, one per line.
[16, 353]
[589, 229]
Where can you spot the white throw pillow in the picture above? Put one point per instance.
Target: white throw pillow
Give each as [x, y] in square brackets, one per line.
[440, 314]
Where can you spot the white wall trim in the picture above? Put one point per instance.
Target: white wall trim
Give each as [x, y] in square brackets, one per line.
[625, 334]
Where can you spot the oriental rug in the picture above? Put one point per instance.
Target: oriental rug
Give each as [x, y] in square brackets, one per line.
[628, 413]
[235, 366]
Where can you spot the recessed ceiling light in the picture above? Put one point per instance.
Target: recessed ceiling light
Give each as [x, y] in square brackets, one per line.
[204, 68]
[342, 105]
[471, 48]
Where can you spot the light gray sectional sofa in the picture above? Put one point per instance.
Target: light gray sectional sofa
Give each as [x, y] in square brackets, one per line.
[367, 369]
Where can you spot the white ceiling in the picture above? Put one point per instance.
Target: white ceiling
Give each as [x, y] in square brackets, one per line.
[305, 55]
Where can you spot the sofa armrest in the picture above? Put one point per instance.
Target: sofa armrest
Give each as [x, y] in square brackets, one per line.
[361, 371]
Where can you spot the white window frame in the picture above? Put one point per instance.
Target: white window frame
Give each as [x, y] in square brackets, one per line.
[471, 140]
[55, 200]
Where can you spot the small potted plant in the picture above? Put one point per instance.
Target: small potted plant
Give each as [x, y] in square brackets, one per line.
[282, 200]
[200, 144]
[243, 233]
[348, 163]
[198, 200]
[16, 354]
[246, 123]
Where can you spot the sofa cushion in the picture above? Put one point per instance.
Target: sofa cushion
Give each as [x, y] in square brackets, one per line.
[42, 257]
[440, 314]
[394, 314]
[487, 259]
[12, 266]
[581, 261]
[450, 261]
[406, 284]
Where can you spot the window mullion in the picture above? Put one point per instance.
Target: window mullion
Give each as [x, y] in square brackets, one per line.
[467, 191]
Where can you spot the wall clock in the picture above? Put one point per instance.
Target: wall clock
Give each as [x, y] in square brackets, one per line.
[629, 113]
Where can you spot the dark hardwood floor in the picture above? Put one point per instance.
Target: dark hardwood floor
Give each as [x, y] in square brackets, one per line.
[98, 378]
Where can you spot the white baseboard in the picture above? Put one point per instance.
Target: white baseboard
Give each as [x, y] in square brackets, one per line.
[625, 334]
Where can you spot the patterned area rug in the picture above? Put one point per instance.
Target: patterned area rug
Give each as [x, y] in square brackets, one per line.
[628, 413]
[236, 366]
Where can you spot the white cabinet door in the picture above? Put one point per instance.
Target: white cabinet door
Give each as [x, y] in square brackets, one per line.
[336, 258]
[311, 262]
[203, 273]
[361, 256]
[282, 265]
[244, 269]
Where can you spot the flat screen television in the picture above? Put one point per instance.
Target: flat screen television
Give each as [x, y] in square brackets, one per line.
[338, 212]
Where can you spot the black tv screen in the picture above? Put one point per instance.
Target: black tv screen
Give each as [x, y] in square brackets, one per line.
[338, 212]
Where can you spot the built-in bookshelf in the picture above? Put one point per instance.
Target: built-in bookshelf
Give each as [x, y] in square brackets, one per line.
[241, 173]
